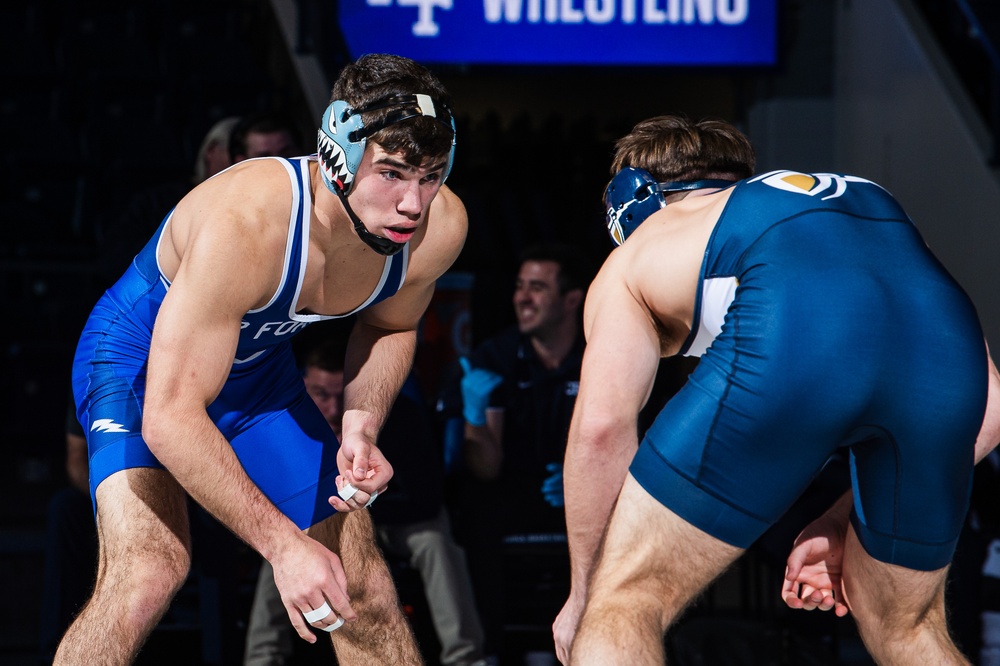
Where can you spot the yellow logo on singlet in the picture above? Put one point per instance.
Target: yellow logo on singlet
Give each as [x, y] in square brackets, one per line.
[809, 184]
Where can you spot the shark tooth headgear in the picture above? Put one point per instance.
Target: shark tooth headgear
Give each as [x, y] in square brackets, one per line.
[341, 145]
[633, 195]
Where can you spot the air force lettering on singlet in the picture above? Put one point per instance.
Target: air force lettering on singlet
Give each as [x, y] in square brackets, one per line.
[270, 330]
[276, 328]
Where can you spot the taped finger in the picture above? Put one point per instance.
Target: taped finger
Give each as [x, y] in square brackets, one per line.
[317, 614]
[336, 625]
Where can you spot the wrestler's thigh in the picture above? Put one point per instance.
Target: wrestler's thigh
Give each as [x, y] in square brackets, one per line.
[883, 595]
[143, 511]
[649, 551]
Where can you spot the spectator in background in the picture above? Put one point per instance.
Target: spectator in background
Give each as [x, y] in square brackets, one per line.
[518, 392]
[264, 135]
[410, 520]
[213, 153]
[230, 140]
[123, 231]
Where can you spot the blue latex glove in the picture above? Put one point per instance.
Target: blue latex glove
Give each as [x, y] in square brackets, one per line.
[552, 487]
[477, 384]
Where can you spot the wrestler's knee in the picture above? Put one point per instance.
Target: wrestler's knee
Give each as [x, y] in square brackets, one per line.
[352, 537]
[372, 589]
[380, 617]
[357, 546]
[877, 615]
[147, 566]
[891, 604]
[642, 586]
[138, 589]
[644, 598]
[152, 574]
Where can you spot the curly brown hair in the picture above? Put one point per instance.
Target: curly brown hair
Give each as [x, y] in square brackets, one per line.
[377, 77]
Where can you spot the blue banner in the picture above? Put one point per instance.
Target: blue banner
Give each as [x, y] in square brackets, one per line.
[565, 32]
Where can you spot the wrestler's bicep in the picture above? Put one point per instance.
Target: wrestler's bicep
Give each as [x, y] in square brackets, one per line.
[198, 323]
[190, 354]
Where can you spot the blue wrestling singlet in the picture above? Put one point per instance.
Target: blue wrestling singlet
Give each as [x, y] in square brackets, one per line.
[823, 321]
[283, 442]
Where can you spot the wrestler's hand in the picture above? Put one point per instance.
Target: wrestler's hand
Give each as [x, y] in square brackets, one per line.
[565, 626]
[813, 575]
[308, 576]
[362, 467]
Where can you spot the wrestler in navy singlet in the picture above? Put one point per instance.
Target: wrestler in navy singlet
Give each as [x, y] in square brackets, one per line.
[281, 439]
[823, 321]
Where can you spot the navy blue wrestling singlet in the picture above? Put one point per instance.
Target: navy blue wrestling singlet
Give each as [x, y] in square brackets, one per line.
[283, 442]
[823, 321]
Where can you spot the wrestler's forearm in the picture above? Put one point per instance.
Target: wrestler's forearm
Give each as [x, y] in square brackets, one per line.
[596, 464]
[375, 368]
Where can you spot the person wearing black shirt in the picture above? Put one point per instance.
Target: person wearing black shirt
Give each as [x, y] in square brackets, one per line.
[518, 391]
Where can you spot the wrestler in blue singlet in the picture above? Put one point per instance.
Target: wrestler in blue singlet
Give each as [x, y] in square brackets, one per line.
[823, 321]
[283, 442]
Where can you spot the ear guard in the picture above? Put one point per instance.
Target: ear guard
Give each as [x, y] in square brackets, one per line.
[342, 134]
[633, 195]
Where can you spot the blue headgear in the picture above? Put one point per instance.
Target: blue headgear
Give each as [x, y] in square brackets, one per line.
[341, 141]
[633, 195]
[343, 134]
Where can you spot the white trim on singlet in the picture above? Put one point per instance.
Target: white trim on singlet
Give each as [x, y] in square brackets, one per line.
[302, 183]
[403, 256]
[290, 237]
[156, 252]
[296, 195]
[717, 295]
